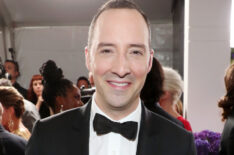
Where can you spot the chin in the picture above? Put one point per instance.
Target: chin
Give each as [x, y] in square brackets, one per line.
[117, 102]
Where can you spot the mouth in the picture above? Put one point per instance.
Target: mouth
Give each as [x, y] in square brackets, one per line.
[119, 84]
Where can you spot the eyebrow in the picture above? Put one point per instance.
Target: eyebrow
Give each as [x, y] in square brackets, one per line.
[138, 46]
[130, 45]
[105, 44]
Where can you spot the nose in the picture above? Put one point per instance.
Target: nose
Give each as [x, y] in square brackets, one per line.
[120, 66]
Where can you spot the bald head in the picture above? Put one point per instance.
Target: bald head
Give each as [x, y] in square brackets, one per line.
[116, 4]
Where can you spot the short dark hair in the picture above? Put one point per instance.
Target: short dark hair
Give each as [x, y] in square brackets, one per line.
[115, 4]
[15, 63]
[83, 78]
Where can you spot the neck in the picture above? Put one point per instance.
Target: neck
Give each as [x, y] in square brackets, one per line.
[117, 113]
[16, 124]
[13, 81]
[169, 108]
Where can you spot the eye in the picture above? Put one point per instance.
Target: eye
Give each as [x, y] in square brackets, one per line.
[105, 51]
[137, 52]
[77, 97]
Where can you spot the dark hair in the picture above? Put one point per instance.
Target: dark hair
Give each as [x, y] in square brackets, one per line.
[10, 97]
[115, 4]
[54, 83]
[31, 96]
[83, 78]
[153, 87]
[227, 101]
[15, 64]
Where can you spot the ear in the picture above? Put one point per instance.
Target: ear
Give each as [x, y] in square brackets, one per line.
[17, 74]
[151, 59]
[59, 100]
[87, 58]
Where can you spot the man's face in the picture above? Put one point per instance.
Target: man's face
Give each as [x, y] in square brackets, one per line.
[119, 59]
[83, 83]
[10, 68]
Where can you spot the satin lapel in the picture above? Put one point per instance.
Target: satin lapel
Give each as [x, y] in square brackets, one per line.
[81, 127]
[148, 133]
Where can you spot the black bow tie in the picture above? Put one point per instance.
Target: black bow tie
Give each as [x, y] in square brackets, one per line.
[103, 125]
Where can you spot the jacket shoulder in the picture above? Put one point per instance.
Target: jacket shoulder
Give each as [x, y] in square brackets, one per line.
[166, 135]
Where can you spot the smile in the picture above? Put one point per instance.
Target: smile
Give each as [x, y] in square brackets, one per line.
[119, 84]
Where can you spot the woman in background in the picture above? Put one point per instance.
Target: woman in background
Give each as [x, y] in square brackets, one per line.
[153, 90]
[59, 93]
[13, 109]
[227, 105]
[35, 95]
[173, 89]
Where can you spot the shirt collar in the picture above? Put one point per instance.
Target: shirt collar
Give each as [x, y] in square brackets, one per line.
[134, 116]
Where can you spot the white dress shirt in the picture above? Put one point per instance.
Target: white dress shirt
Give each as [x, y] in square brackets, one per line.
[113, 143]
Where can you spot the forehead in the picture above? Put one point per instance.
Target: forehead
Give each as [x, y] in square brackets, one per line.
[82, 81]
[9, 64]
[123, 23]
[37, 81]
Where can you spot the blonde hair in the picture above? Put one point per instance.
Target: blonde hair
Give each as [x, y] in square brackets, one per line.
[179, 107]
[173, 83]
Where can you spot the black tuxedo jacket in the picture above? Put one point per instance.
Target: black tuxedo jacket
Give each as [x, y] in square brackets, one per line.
[227, 139]
[158, 110]
[68, 134]
[11, 144]
[20, 89]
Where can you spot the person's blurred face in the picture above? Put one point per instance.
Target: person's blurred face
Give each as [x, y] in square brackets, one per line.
[119, 59]
[72, 99]
[10, 68]
[37, 87]
[82, 83]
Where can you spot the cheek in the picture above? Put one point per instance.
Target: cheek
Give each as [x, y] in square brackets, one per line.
[139, 70]
[41, 87]
[101, 66]
[70, 101]
[34, 88]
[73, 103]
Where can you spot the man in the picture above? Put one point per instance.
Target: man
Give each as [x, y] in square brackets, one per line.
[83, 83]
[12, 67]
[115, 121]
[10, 144]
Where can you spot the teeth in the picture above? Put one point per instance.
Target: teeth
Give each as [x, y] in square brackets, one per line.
[119, 84]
